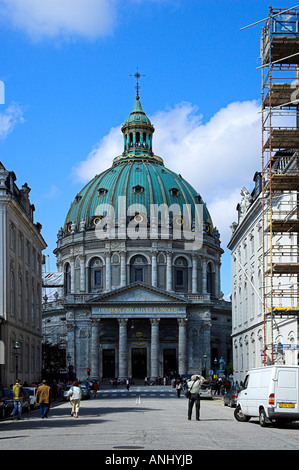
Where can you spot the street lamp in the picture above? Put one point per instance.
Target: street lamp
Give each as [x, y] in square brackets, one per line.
[204, 365]
[17, 351]
[215, 366]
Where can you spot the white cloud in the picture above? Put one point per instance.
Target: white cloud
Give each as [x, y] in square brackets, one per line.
[9, 119]
[65, 18]
[218, 157]
[100, 158]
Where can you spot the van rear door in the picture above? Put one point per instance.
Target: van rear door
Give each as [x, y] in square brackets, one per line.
[286, 391]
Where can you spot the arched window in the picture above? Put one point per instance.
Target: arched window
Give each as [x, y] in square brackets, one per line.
[181, 274]
[138, 268]
[12, 293]
[96, 274]
[67, 279]
[210, 280]
[20, 297]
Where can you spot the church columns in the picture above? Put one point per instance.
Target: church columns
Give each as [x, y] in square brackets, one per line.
[204, 276]
[194, 274]
[71, 344]
[154, 269]
[108, 271]
[95, 349]
[72, 264]
[82, 274]
[154, 347]
[182, 346]
[169, 272]
[122, 347]
[123, 279]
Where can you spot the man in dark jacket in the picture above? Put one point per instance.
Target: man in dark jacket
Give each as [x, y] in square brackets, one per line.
[43, 397]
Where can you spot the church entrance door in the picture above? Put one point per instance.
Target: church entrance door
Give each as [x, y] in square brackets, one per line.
[139, 369]
[108, 363]
[169, 361]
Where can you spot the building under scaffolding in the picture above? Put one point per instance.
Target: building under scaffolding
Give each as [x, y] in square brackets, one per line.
[280, 151]
[264, 241]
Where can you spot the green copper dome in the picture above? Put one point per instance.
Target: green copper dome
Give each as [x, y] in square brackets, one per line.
[138, 179]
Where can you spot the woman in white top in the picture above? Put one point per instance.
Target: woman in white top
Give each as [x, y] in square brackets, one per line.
[75, 394]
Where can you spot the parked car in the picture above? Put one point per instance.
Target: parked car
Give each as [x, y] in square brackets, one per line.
[66, 391]
[230, 398]
[85, 391]
[2, 402]
[32, 393]
[9, 402]
[205, 390]
[185, 377]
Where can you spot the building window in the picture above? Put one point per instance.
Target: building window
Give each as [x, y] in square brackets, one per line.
[181, 274]
[20, 245]
[20, 297]
[12, 293]
[98, 278]
[210, 280]
[138, 268]
[67, 279]
[12, 236]
[27, 252]
[138, 273]
[96, 274]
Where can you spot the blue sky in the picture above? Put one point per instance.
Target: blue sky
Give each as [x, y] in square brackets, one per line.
[66, 67]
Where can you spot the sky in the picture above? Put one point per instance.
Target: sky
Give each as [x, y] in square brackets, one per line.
[67, 66]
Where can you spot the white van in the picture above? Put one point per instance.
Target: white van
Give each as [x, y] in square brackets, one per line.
[271, 393]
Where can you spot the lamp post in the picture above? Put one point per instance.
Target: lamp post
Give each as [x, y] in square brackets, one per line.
[215, 367]
[204, 365]
[17, 349]
[69, 358]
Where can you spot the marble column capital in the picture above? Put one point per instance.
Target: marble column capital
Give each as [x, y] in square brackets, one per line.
[182, 321]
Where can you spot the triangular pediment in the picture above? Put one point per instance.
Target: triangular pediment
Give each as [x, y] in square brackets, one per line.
[139, 293]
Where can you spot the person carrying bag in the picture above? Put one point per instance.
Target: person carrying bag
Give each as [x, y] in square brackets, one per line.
[193, 396]
[75, 395]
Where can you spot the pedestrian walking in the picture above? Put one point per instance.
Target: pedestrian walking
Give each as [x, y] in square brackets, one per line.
[44, 398]
[17, 394]
[194, 397]
[128, 384]
[75, 395]
[179, 387]
[95, 388]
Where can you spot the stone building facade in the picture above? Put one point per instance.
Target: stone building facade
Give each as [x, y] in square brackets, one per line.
[20, 282]
[140, 260]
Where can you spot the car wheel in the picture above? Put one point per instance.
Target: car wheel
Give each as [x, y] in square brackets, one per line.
[239, 415]
[263, 420]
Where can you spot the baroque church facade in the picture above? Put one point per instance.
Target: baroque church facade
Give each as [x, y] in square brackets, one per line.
[140, 261]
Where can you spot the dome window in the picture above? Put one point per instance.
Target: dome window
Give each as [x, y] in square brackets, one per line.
[69, 227]
[174, 192]
[138, 189]
[78, 198]
[102, 192]
[97, 219]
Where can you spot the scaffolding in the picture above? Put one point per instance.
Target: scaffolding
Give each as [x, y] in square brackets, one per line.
[280, 170]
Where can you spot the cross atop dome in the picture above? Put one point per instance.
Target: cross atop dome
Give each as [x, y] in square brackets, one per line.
[137, 75]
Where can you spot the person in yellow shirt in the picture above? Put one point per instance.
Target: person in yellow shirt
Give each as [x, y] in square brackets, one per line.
[17, 393]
